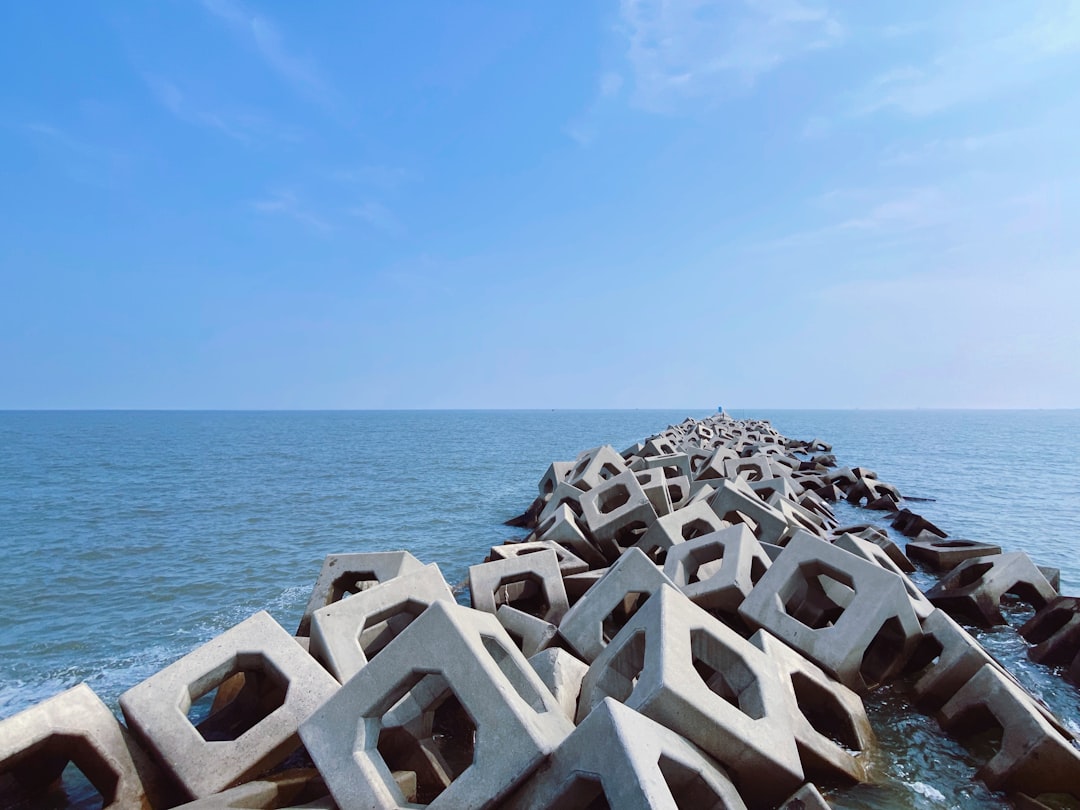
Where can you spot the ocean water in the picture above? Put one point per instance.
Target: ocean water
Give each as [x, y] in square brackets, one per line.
[132, 537]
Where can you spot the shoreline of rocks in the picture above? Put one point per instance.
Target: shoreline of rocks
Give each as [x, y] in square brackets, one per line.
[686, 624]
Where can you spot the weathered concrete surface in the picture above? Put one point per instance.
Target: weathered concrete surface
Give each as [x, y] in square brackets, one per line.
[347, 634]
[75, 726]
[974, 589]
[569, 562]
[281, 790]
[530, 633]
[944, 554]
[736, 706]
[156, 709]
[630, 761]
[345, 574]
[532, 583]
[617, 512]
[717, 570]
[562, 674]
[805, 798]
[1055, 632]
[518, 721]
[684, 524]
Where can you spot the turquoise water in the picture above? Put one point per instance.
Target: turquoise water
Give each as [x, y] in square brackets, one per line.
[131, 538]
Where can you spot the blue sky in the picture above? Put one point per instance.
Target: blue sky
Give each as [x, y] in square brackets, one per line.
[759, 203]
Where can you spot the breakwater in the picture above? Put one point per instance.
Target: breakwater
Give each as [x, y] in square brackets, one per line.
[609, 543]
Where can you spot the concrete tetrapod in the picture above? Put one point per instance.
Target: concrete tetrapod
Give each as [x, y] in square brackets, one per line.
[531, 583]
[1034, 758]
[678, 665]
[229, 746]
[717, 570]
[632, 763]
[849, 616]
[617, 511]
[730, 501]
[693, 520]
[517, 721]
[345, 574]
[347, 634]
[599, 615]
[562, 527]
[832, 721]
[75, 726]
[872, 552]
[974, 589]
[593, 467]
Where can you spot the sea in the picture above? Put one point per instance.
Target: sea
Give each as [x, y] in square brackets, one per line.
[130, 538]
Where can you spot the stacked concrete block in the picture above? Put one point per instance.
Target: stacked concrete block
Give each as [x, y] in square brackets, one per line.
[75, 726]
[532, 634]
[555, 474]
[945, 554]
[1055, 632]
[974, 589]
[849, 616]
[910, 524]
[734, 503]
[601, 613]
[872, 552]
[518, 722]
[719, 569]
[655, 485]
[562, 527]
[617, 511]
[283, 790]
[595, 466]
[564, 495]
[156, 709]
[628, 761]
[738, 708]
[562, 674]
[1034, 757]
[569, 562]
[345, 574]
[808, 797]
[532, 583]
[347, 634]
[693, 520]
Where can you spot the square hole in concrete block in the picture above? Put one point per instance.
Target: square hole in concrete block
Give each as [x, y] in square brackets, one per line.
[230, 702]
[62, 771]
[817, 594]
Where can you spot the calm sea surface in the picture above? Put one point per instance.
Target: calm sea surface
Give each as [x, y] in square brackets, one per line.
[132, 537]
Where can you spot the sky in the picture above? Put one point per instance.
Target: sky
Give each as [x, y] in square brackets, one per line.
[564, 204]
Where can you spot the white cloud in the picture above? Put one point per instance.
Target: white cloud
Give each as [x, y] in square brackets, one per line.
[287, 204]
[708, 49]
[300, 72]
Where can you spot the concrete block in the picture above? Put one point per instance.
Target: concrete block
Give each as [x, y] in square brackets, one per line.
[974, 589]
[75, 726]
[345, 574]
[630, 762]
[783, 487]
[562, 674]
[1055, 632]
[871, 552]
[693, 520]
[617, 512]
[1052, 575]
[594, 467]
[577, 585]
[867, 491]
[711, 465]
[755, 468]
[805, 798]
[556, 473]
[655, 486]
[733, 504]
[910, 524]
[532, 583]
[940, 554]
[596, 618]
[562, 527]
[849, 616]
[678, 665]
[504, 716]
[831, 728]
[1033, 757]
[569, 562]
[675, 465]
[229, 747]
[717, 570]
[564, 495]
[280, 790]
[797, 517]
[530, 633]
[347, 634]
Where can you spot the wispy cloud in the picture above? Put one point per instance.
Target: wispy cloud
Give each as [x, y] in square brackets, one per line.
[301, 73]
[287, 204]
[1010, 47]
[378, 216]
[387, 178]
[84, 160]
[680, 50]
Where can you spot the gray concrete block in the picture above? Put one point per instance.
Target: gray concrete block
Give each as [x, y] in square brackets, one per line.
[943, 554]
[601, 612]
[1055, 632]
[569, 562]
[717, 570]
[693, 520]
[556, 473]
[532, 583]
[754, 468]
[617, 512]
[156, 709]
[974, 589]
[832, 730]
[530, 633]
[75, 726]
[849, 616]
[562, 527]
[562, 674]
[594, 467]
[515, 721]
[564, 494]
[655, 487]
[345, 574]
[733, 503]
[678, 665]
[805, 798]
[632, 763]
[347, 634]
[281, 790]
[871, 552]
[1033, 757]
